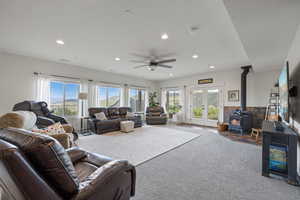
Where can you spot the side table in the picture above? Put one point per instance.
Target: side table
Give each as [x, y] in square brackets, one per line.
[84, 129]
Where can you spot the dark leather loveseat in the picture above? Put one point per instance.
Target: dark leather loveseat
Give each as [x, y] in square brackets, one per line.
[35, 166]
[114, 116]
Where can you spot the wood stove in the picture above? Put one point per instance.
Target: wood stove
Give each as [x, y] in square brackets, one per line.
[241, 121]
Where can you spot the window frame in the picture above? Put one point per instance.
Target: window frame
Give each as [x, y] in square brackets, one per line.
[140, 98]
[65, 82]
[107, 94]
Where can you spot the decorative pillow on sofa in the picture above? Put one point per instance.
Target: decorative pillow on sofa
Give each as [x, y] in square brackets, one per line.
[56, 128]
[100, 116]
[18, 119]
[130, 114]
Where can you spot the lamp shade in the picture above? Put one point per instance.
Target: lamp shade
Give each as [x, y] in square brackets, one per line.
[83, 96]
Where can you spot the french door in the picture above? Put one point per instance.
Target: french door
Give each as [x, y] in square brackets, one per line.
[206, 106]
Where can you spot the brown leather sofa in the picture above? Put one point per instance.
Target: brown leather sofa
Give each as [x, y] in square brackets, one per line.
[114, 116]
[35, 166]
[156, 115]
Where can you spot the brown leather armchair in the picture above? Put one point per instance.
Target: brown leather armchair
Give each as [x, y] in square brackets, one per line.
[35, 166]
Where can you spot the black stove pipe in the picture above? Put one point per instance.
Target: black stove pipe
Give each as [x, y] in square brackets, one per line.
[245, 72]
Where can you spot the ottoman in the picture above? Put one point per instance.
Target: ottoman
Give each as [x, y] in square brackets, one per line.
[127, 126]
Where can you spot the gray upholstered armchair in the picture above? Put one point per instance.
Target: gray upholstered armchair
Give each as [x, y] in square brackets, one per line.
[156, 115]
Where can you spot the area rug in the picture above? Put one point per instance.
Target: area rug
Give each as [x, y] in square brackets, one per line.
[241, 138]
[139, 146]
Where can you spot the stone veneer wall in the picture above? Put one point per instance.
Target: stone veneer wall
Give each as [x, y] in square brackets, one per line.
[258, 114]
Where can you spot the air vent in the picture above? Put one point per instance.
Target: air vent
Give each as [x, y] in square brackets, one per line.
[193, 29]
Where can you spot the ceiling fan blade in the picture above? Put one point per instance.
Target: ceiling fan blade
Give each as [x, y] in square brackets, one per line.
[166, 61]
[161, 56]
[165, 66]
[136, 67]
[139, 61]
[142, 56]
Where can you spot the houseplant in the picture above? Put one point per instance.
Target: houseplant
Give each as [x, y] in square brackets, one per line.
[152, 99]
[173, 109]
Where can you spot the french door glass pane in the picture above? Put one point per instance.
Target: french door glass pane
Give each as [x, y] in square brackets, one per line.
[213, 104]
[198, 104]
[71, 99]
[102, 96]
[173, 101]
[113, 97]
[57, 97]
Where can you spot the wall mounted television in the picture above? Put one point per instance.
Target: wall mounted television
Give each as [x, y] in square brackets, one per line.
[283, 83]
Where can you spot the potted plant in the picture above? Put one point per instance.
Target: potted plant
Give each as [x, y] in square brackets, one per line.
[152, 99]
[173, 109]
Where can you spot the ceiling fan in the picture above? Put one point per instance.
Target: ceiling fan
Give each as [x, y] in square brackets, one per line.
[153, 60]
[153, 64]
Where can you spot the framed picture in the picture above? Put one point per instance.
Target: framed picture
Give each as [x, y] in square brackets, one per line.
[233, 95]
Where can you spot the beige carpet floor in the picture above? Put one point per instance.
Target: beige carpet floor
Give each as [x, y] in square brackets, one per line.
[139, 146]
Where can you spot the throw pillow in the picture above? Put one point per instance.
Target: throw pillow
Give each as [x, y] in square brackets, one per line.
[100, 116]
[11, 120]
[56, 128]
[19, 119]
[130, 114]
[29, 119]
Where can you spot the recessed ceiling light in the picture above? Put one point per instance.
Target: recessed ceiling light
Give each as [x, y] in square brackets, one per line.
[195, 56]
[164, 36]
[211, 67]
[60, 42]
[117, 59]
[170, 74]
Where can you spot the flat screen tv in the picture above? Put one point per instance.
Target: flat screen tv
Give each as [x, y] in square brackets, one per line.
[283, 82]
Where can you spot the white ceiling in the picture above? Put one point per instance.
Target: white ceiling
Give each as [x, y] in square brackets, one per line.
[97, 31]
[267, 29]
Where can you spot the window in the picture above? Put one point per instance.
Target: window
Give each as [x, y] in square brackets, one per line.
[137, 99]
[173, 101]
[64, 98]
[109, 96]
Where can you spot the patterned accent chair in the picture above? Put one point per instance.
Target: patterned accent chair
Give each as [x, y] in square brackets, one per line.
[156, 115]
